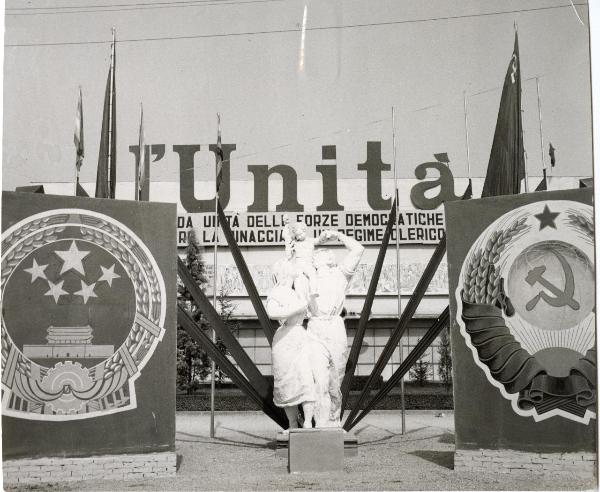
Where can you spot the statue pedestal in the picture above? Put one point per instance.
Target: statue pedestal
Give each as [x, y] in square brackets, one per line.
[315, 450]
[350, 444]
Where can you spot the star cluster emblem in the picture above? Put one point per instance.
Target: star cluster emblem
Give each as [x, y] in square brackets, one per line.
[73, 260]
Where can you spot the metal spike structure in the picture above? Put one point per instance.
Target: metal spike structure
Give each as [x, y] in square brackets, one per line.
[255, 379]
[366, 311]
[400, 328]
[440, 323]
[256, 386]
[259, 307]
[197, 333]
[402, 325]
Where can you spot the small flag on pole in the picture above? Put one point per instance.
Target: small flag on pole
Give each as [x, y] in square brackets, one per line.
[543, 186]
[443, 157]
[506, 167]
[551, 154]
[468, 194]
[219, 154]
[141, 167]
[78, 136]
[80, 191]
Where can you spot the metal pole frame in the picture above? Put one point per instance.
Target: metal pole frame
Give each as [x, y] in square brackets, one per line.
[398, 275]
[214, 334]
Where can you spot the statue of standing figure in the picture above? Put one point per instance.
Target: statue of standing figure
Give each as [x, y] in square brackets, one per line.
[326, 328]
[309, 365]
[290, 352]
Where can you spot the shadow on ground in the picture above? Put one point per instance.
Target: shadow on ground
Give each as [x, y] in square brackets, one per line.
[441, 458]
[447, 438]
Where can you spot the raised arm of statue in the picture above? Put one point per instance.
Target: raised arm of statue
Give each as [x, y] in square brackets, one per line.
[351, 260]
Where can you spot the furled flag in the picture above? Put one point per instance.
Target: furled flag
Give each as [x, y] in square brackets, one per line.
[443, 157]
[141, 167]
[543, 186]
[78, 136]
[506, 167]
[468, 194]
[551, 154]
[219, 154]
[107, 156]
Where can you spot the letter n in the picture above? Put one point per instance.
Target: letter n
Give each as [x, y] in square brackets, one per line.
[289, 201]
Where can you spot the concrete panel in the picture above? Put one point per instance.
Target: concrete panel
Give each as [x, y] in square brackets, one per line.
[488, 413]
[315, 450]
[78, 274]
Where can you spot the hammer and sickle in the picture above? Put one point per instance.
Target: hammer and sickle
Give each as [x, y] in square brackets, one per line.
[562, 297]
[514, 68]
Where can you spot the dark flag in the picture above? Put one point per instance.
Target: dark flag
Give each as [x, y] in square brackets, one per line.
[551, 154]
[468, 194]
[219, 154]
[141, 165]
[543, 186]
[107, 155]
[78, 135]
[443, 157]
[79, 191]
[506, 167]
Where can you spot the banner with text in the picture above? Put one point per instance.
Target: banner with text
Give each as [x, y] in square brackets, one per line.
[266, 229]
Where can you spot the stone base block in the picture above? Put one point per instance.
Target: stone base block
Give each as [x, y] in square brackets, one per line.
[113, 467]
[315, 450]
[350, 444]
[579, 465]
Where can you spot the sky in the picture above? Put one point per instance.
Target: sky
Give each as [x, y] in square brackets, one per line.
[283, 92]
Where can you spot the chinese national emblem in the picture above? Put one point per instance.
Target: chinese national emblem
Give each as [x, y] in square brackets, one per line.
[526, 306]
[83, 309]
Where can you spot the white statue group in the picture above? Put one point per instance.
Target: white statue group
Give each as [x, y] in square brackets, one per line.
[309, 364]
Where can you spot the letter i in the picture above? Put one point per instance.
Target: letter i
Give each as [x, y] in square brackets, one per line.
[328, 172]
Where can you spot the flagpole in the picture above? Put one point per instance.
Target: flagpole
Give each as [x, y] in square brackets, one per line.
[77, 161]
[467, 134]
[525, 162]
[537, 88]
[110, 113]
[214, 335]
[398, 280]
[141, 171]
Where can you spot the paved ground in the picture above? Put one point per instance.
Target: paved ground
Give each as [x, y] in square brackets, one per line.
[242, 457]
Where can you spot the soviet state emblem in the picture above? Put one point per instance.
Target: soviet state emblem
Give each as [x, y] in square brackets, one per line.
[526, 305]
[83, 309]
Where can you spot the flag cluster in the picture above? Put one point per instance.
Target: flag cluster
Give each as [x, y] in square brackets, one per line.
[219, 155]
[78, 136]
[141, 165]
[106, 175]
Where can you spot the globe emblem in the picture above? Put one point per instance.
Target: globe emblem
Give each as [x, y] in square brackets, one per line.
[83, 308]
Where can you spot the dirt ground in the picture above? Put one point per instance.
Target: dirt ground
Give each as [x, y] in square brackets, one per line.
[242, 457]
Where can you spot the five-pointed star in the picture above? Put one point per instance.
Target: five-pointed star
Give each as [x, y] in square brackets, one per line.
[108, 275]
[86, 291]
[36, 271]
[72, 259]
[56, 290]
[547, 218]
